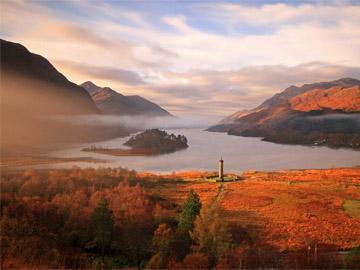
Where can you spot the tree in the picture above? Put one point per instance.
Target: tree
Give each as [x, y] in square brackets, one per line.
[160, 243]
[133, 213]
[28, 235]
[211, 235]
[161, 239]
[102, 226]
[190, 211]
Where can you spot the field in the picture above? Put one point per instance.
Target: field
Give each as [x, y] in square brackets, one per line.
[289, 210]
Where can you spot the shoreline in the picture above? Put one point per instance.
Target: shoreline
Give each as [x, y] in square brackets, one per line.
[35, 160]
[128, 152]
[313, 144]
[124, 152]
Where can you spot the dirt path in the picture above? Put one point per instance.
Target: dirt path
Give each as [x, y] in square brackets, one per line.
[220, 192]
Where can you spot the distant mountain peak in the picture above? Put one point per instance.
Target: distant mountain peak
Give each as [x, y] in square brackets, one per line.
[89, 84]
[110, 101]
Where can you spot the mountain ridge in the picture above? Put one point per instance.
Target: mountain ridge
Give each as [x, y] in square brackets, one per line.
[112, 102]
[34, 70]
[288, 116]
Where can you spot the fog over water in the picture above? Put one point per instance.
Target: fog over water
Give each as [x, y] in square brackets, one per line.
[205, 148]
[143, 121]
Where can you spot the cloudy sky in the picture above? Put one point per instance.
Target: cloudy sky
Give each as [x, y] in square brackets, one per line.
[205, 58]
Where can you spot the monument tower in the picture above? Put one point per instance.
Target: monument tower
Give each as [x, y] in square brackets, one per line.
[221, 170]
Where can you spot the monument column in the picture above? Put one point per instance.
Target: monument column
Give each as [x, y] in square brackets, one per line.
[221, 170]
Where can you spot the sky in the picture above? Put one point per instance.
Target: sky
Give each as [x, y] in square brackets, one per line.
[202, 58]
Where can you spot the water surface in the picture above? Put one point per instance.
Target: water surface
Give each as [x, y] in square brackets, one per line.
[206, 148]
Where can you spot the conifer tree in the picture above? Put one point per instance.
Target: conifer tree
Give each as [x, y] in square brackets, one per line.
[102, 226]
[190, 211]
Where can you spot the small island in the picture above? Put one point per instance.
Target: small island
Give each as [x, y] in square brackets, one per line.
[149, 142]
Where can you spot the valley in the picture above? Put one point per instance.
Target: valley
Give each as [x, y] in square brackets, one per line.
[179, 135]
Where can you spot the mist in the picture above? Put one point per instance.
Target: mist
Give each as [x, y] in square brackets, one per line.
[337, 116]
[139, 122]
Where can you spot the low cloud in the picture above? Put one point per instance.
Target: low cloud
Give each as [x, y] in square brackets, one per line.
[143, 122]
[338, 116]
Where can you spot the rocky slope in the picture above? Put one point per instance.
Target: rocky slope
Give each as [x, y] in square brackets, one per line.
[112, 102]
[320, 113]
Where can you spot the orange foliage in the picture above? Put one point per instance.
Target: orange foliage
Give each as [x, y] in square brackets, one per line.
[274, 216]
[294, 208]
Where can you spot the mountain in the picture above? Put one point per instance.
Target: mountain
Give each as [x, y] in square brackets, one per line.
[112, 102]
[319, 113]
[33, 94]
[27, 74]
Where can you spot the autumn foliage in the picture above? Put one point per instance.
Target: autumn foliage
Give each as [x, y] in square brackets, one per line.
[116, 218]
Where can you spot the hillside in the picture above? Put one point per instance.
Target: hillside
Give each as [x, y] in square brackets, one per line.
[34, 95]
[112, 102]
[325, 113]
[26, 73]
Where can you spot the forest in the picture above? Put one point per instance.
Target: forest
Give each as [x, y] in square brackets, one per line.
[109, 218]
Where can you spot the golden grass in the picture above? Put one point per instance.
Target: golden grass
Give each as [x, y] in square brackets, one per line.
[286, 209]
[295, 208]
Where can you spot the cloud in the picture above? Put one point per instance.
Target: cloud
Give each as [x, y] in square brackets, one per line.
[72, 32]
[42, 31]
[224, 92]
[11, 22]
[110, 34]
[104, 73]
[280, 14]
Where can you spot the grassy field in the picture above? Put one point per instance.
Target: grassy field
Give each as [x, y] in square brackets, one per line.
[289, 210]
